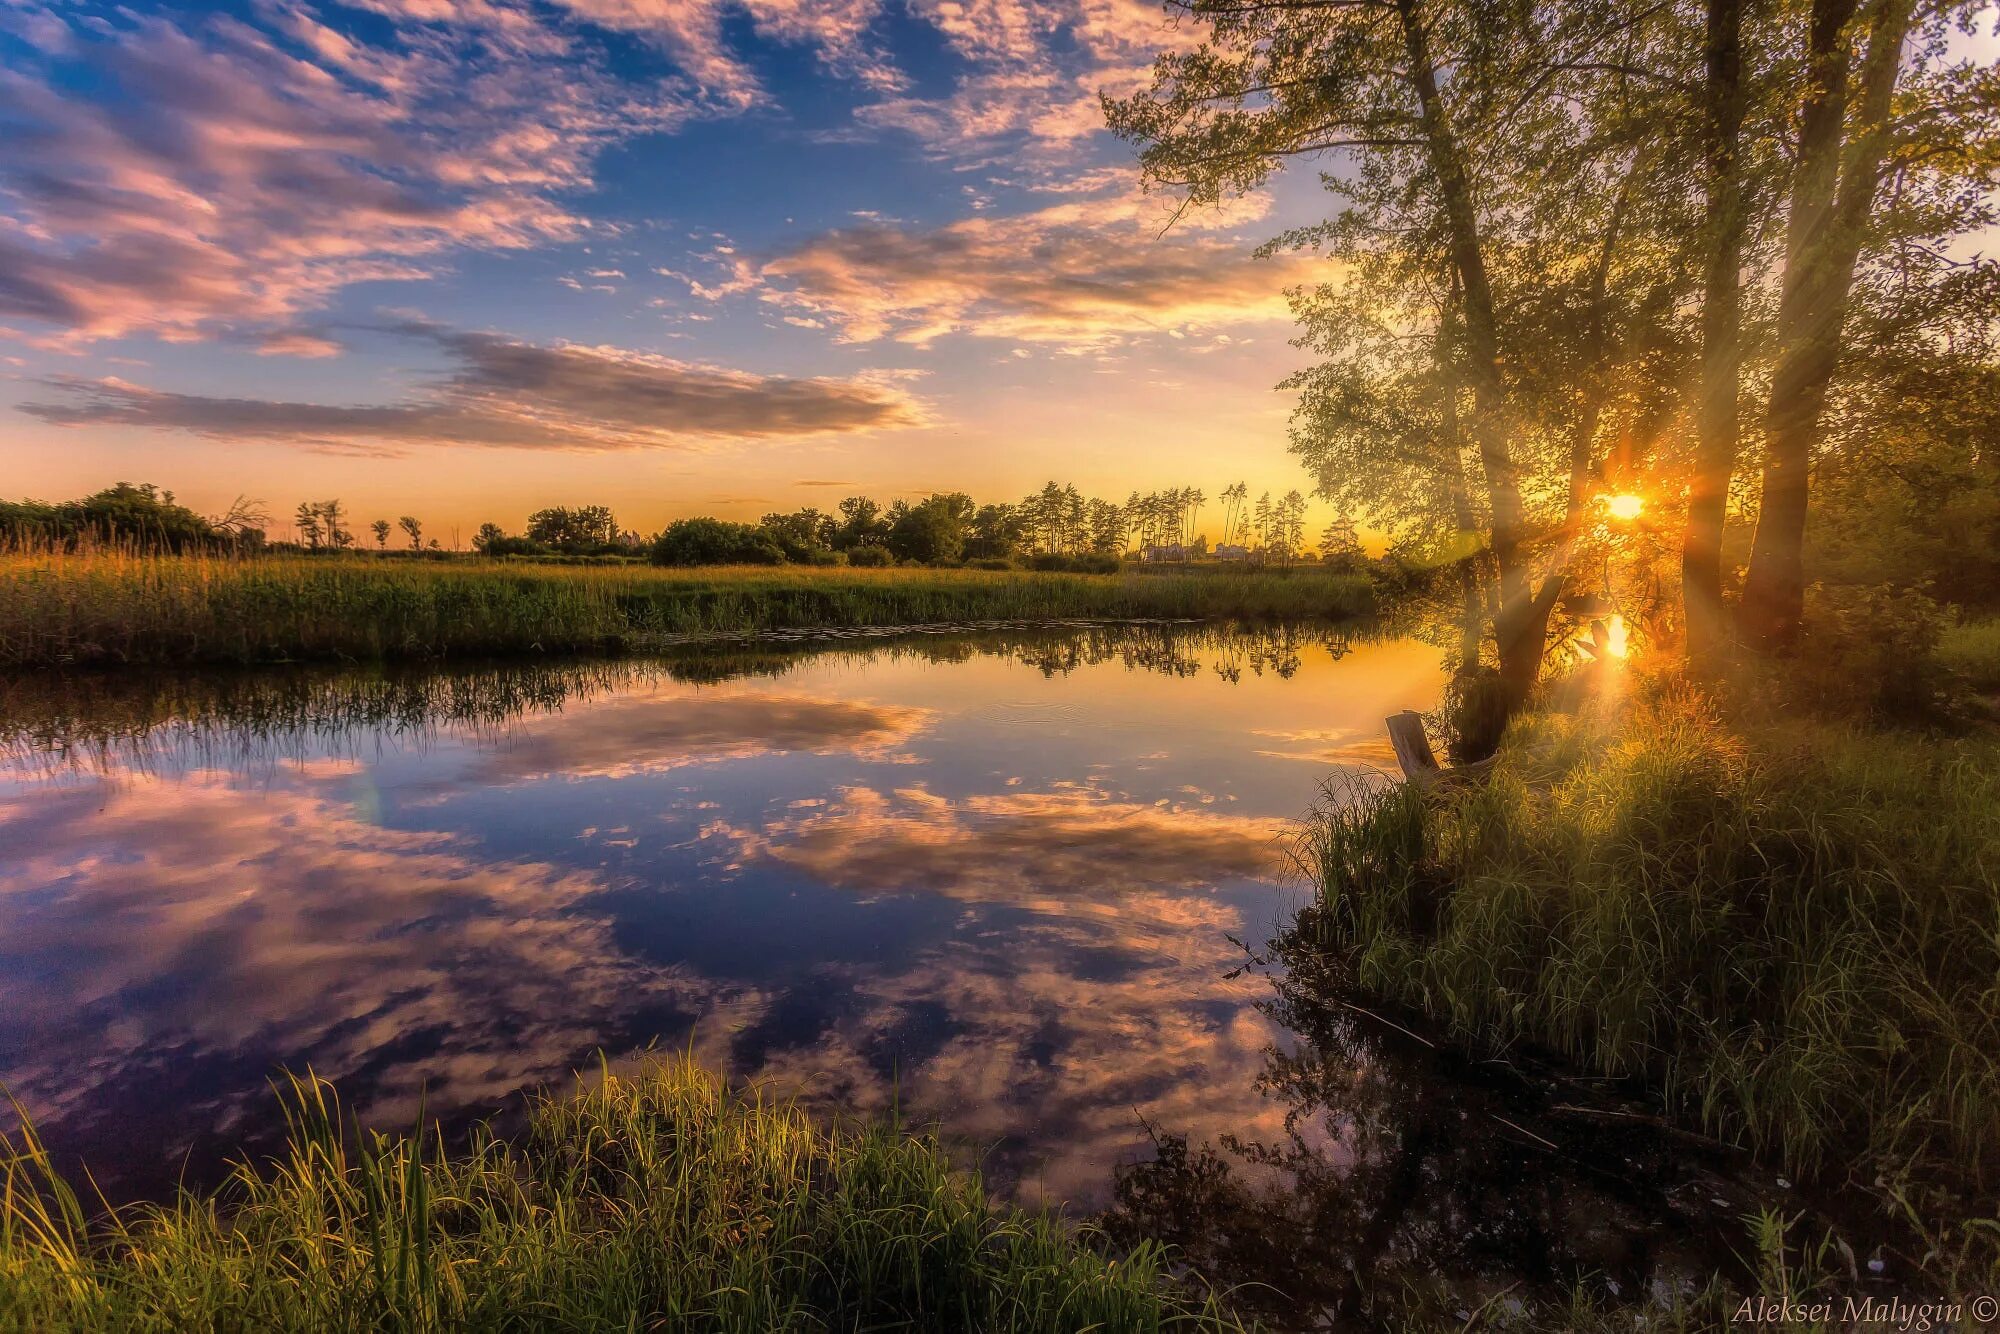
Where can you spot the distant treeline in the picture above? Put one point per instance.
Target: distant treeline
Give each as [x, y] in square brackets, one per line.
[1055, 528]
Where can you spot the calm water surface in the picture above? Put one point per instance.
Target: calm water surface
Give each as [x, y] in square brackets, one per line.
[1013, 882]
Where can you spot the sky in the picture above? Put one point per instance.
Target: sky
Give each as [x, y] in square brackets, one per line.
[465, 258]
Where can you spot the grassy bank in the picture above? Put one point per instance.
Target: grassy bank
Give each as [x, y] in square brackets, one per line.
[103, 608]
[659, 1201]
[1788, 928]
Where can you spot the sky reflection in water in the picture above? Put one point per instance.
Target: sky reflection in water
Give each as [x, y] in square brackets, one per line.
[992, 880]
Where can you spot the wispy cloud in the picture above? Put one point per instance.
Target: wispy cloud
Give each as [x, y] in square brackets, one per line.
[181, 180]
[1082, 274]
[513, 394]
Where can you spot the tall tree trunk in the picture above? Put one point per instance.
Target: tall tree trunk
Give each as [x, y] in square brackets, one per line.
[1519, 632]
[1716, 427]
[1831, 199]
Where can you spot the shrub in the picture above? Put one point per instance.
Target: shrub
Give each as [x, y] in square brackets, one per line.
[1086, 563]
[870, 557]
[1871, 653]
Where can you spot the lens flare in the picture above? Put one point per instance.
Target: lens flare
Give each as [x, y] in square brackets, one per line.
[1625, 507]
[1616, 641]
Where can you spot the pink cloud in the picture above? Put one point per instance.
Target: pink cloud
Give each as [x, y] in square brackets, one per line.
[215, 177]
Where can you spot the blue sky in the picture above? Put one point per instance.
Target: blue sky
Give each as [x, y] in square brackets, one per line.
[465, 257]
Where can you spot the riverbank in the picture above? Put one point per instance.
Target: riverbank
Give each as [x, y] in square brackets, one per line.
[648, 1201]
[1784, 927]
[111, 608]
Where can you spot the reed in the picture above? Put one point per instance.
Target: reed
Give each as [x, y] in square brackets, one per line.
[1787, 928]
[658, 1201]
[121, 606]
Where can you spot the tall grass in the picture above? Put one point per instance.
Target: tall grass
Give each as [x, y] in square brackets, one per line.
[1792, 930]
[1972, 651]
[120, 606]
[660, 1201]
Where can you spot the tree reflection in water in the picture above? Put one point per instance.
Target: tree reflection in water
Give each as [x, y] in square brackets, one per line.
[1411, 1179]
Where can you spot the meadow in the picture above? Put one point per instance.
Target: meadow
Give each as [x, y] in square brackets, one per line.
[1782, 926]
[108, 607]
[657, 1200]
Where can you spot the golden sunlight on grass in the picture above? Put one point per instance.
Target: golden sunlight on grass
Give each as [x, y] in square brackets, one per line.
[1625, 506]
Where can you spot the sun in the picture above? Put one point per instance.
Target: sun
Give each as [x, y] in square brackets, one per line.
[1625, 506]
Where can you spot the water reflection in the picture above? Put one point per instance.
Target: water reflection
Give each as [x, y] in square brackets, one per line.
[994, 879]
[988, 878]
[1440, 1183]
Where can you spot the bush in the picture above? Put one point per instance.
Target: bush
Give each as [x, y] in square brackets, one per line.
[1871, 653]
[1086, 563]
[715, 542]
[870, 557]
[990, 563]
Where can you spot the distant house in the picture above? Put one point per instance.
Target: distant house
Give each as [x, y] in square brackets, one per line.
[1160, 553]
[1226, 551]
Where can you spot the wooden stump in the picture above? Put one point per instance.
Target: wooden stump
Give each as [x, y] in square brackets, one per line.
[1413, 748]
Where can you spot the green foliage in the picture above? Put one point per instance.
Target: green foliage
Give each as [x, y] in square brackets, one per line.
[805, 536]
[932, 530]
[58, 609]
[1910, 496]
[869, 557]
[657, 1200]
[1790, 933]
[715, 542]
[1870, 652]
[143, 515]
[1474, 712]
[1971, 651]
[579, 530]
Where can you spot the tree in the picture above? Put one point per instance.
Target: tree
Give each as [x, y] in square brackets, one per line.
[574, 531]
[143, 515]
[415, 529]
[1483, 155]
[1716, 426]
[934, 529]
[331, 514]
[1107, 524]
[1340, 541]
[307, 521]
[861, 524]
[995, 533]
[706, 541]
[1835, 176]
[804, 535]
[1235, 501]
[381, 530]
[489, 537]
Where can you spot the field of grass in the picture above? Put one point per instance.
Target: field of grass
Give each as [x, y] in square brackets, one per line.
[658, 1201]
[1787, 928]
[108, 607]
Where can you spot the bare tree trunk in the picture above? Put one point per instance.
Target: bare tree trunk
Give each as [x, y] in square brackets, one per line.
[1518, 633]
[1716, 426]
[1831, 199]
